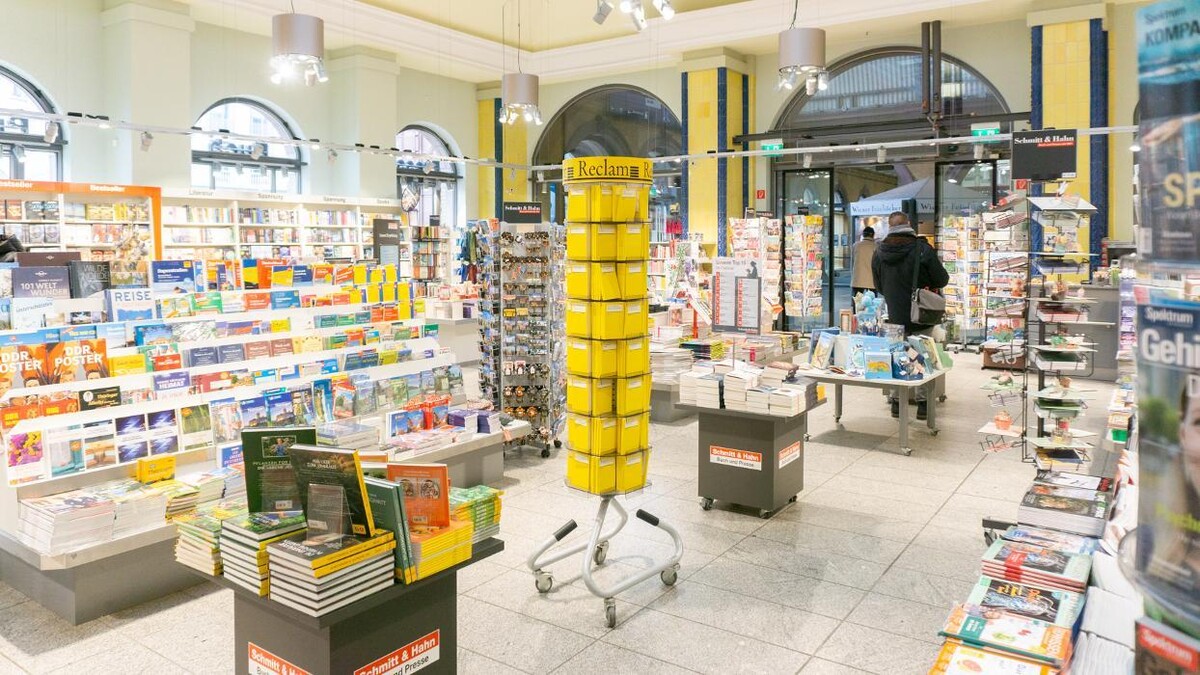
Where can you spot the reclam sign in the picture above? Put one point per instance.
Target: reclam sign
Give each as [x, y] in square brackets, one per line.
[607, 169]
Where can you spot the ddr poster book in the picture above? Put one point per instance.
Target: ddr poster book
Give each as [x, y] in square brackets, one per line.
[330, 481]
[270, 481]
[1168, 544]
[997, 630]
[1058, 607]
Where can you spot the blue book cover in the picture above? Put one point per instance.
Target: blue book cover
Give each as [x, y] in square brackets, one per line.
[115, 334]
[162, 420]
[279, 408]
[41, 282]
[86, 332]
[323, 399]
[285, 299]
[203, 356]
[265, 375]
[231, 353]
[231, 455]
[38, 337]
[152, 334]
[288, 372]
[164, 445]
[326, 321]
[302, 275]
[329, 366]
[172, 382]
[354, 361]
[253, 412]
[177, 276]
[129, 304]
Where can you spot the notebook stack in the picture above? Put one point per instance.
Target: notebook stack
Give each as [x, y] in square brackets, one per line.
[1067, 509]
[199, 543]
[319, 576]
[437, 549]
[1040, 566]
[138, 507]
[481, 506]
[244, 542]
[65, 522]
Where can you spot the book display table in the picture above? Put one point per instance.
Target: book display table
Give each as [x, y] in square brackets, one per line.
[402, 629]
[479, 461]
[664, 403]
[903, 389]
[750, 459]
[461, 336]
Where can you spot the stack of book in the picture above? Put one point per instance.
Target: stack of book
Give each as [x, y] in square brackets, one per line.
[737, 383]
[668, 363]
[1004, 637]
[481, 506]
[709, 391]
[319, 576]
[787, 402]
[1037, 565]
[180, 496]
[1067, 509]
[438, 548]
[209, 485]
[137, 506]
[64, 522]
[244, 542]
[777, 372]
[689, 386]
[199, 543]
[758, 400]
[348, 434]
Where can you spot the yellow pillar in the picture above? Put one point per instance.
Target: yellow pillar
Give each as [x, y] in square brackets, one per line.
[504, 143]
[718, 105]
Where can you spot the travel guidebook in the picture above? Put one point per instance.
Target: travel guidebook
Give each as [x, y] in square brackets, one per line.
[1168, 544]
[270, 480]
[322, 473]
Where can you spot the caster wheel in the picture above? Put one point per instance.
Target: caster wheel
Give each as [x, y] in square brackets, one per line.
[610, 616]
[792, 499]
[942, 399]
[557, 443]
[544, 583]
[764, 514]
[545, 453]
[706, 504]
[907, 451]
[600, 554]
[669, 577]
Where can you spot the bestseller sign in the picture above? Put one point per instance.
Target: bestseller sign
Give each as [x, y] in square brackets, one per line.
[1048, 154]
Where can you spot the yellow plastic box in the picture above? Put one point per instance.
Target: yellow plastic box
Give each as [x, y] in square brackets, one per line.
[601, 199]
[579, 204]
[633, 241]
[595, 281]
[633, 433]
[606, 321]
[630, 202]
[597, 475]
[579, 318]
[586, 241]
[636, 319]
[592, 435]
[588, 396]
[633, 357]
[631, 471]
[633, 395]
[632, 280]
[593, 358]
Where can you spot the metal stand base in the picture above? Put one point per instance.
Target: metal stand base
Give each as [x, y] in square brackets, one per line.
[597, 551]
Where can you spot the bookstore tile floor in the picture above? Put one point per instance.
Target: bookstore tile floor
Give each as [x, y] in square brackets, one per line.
[855, 577]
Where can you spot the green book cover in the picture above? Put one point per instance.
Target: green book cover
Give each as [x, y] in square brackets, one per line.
[387, 508]
[270, 479]
[261, 526]
[321, 467]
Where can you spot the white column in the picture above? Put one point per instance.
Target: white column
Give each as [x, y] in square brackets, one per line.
[364, 83]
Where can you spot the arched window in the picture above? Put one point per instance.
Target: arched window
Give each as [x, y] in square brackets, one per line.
[243, 165]
[614, 120]
[431, 187]
[25, 152]
[877, 94]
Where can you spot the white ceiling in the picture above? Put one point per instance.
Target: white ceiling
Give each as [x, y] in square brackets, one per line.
[463, 39]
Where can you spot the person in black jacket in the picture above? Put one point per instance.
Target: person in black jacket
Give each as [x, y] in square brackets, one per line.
[892, 268]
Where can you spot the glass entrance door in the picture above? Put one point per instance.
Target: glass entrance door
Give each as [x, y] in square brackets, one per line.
[810, 192]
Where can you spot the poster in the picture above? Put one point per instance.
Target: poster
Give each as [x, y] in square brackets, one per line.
[737, 296]
[1048, 154]
[386, 233]
[1169, 131]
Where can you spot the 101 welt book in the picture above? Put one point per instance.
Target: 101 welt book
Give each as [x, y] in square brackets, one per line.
[41, 282]
[1168, 533]
[426, 490]
[340, 469]
[1000, 631]
[270, 480]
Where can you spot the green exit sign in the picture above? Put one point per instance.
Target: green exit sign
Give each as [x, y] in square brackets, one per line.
[773, 144]
[986, 129]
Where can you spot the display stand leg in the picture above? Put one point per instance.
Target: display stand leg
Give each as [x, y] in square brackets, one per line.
[837, 404]
[902, 396]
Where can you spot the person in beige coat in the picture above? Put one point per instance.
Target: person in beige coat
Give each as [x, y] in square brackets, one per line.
[861, 278]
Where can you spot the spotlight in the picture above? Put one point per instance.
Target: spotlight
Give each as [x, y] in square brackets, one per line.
[51, 134]
[316, 144]
[880, 155]
[103, 122]
[18, 153]
[823, 80]
[952, 180]
[807, 161]
[639, 16]
[333, 155]
[603, 9]
[810, 85]
[626, 6]
[1136, 147]
[978, 150]
[147, 140]
[664, 8]
[257, 151]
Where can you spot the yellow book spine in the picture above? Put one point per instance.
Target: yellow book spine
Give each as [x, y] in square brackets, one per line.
[343, 563]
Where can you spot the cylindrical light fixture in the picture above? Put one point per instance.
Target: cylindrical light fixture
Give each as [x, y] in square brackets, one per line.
[298, 45]
[519, 98]
[801, 56]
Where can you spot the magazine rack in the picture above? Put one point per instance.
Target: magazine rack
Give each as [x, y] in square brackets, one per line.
[596, 546]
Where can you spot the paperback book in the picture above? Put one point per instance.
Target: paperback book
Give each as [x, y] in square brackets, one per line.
[997, 630]
[270, 479]
[1060, 608]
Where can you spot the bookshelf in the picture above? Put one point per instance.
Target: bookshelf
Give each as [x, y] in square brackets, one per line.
[201, 224]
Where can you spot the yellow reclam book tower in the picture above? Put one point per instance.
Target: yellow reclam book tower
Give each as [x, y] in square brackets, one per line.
[608, 390]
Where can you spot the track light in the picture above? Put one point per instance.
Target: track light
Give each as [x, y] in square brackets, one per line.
[638, 15]
[627, 6]
[978, 150]
[333, 155]
[810, 85]
[18, 153]
[603, 9]
[1136, 147]
[103, 122]
[51, 134]
[147, 140]
[256, 152]
[316, 144]
[664, 8]
[880, 155]
[808, 161]
[823, 80]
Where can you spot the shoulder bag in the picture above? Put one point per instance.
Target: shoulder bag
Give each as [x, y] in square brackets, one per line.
[927, 307]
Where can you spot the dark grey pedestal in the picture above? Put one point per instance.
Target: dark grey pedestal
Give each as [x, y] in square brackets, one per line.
[360, 634]
[755, 478]
[88, 586]
[664, 403]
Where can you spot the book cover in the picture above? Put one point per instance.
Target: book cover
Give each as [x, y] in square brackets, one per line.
[89, 277]
[166, 361]
[128, 364]
[202, 356]
[426, 490]
[172, 383]
[1162, 650]
[196, 427]
[260, 349]
[226, 421]
[77, 360]
[270, 479]
[1096, 507]
[32, 313]
[1037, 561]
[129, 304]
[822, 354]
[318, 466]
[207, 303]
[177, 276]
[22, 366]
[1074, 480]
[231, 353]
[253, 412]
[1060, 608]
[285, 299]
[280, 411]
[387, 508]
[103, 397]
[957, 658]
[331, 554]
[41, 282]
